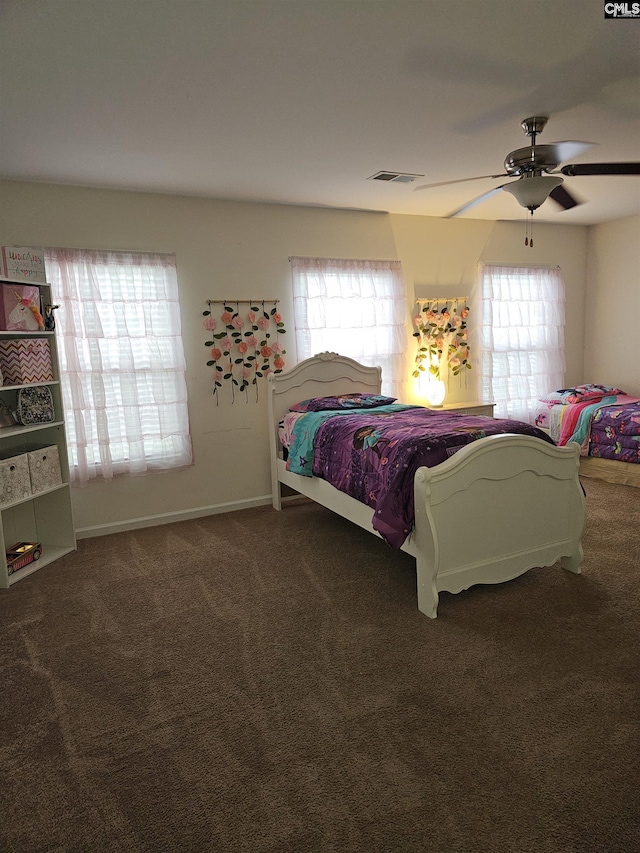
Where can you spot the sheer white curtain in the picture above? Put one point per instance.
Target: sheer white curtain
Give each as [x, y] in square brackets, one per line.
[122, 361]
[521, 337]
[355, 308]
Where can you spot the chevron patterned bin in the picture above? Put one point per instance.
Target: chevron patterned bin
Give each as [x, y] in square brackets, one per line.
[24, 361]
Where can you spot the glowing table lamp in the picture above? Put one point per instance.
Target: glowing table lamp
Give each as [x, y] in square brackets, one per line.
[434, 391]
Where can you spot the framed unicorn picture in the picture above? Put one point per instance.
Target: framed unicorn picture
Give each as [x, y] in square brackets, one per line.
[20, 309]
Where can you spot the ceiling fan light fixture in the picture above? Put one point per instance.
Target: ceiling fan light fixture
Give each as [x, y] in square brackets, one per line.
[531, 191]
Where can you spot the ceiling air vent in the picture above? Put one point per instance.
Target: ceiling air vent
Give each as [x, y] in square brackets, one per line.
[398, 177]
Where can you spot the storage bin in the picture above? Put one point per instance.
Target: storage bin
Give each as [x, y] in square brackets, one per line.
[44, 468]
[15, 483]
[24, 361]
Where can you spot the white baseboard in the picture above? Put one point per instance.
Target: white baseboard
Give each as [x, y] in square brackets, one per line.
[169, 517]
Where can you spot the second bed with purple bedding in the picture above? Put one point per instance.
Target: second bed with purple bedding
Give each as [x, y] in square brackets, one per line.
[373, 455]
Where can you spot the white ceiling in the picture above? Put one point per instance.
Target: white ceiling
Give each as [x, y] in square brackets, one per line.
[300, 102]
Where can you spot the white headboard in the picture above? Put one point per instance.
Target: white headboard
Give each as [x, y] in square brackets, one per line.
[323, 375]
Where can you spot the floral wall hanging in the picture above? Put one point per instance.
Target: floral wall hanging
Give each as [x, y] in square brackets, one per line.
[441, 332]
[246, 345]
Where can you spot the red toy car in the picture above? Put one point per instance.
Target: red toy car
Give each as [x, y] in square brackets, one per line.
[21, 554]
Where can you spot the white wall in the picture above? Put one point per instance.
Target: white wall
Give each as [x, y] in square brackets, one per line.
[440, 258]
[612, 342]
[227, 249]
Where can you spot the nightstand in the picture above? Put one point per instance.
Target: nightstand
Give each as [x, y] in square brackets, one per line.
[475, 407]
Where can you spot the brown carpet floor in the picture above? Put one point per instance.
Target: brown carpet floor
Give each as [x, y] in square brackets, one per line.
[264, 682]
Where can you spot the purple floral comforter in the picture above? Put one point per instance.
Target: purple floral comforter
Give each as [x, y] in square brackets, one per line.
[373, 455]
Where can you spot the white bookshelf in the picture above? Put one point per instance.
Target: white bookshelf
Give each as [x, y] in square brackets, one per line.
[45, 517]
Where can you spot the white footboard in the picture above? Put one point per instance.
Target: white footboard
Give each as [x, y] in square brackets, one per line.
[498, 507]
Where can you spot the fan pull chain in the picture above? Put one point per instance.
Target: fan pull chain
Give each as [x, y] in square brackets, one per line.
[528, 231]
[531, 231]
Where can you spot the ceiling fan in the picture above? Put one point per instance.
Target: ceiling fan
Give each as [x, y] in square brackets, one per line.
[535, 169]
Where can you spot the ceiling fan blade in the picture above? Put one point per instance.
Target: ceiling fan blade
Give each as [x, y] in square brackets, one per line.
[569, 149]
[459, 181]
[601, 169]
[474, 201]
[563, 197]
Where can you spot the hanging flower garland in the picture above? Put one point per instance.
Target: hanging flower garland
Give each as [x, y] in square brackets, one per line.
[242, 357]
[439, 331]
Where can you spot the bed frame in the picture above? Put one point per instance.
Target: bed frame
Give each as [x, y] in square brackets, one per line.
[495, 509]
[610, 470]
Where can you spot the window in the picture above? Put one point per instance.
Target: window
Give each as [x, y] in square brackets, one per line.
[122, 361]
[354, 308]
[521, 337]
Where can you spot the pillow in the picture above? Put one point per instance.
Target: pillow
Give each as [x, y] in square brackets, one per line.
[344, 401]
[581, 394]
